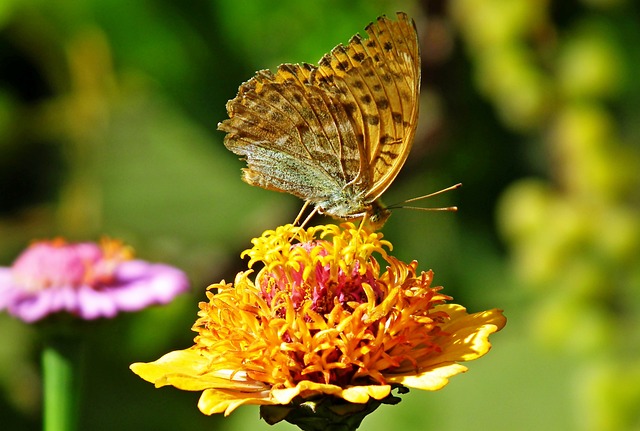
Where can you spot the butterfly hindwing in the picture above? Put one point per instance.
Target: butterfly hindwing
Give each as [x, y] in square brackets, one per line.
[291, 134]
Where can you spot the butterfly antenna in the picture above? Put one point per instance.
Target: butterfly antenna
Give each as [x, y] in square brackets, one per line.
[439, 192]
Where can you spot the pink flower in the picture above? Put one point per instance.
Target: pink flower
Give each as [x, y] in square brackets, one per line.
[87, 280]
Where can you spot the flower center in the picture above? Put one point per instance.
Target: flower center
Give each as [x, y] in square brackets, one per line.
[51, 264]
[313, 280]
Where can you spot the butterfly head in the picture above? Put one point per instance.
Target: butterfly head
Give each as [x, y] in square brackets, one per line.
[376, 216]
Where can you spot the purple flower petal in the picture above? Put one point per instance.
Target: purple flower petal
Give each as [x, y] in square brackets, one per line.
[84, 280]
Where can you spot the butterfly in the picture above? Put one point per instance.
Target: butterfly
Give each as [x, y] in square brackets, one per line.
[336, 134]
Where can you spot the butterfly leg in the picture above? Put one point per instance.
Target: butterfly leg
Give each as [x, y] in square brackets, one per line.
[311, 214]
[302, 210]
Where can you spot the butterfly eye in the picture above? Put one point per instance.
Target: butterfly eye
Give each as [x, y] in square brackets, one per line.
[377, 216]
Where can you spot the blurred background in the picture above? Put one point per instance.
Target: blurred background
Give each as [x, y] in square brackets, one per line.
[108, 114]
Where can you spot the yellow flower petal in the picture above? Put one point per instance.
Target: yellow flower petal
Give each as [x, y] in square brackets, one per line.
[226, 401]
[189, 371]
[466, 337]
[177, 362]
[468, 334]
[361, 394]
[430, 380]
[306, 389]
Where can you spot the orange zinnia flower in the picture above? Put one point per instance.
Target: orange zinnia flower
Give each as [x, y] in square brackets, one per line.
[319, 320]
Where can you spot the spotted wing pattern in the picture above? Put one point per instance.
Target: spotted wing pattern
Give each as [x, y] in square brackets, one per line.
[338, 130]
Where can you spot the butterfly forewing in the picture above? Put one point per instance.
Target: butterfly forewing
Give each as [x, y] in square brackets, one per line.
[336, 134]
[397, 100]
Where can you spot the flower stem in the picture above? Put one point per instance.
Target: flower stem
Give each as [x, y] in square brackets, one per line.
[62, 360]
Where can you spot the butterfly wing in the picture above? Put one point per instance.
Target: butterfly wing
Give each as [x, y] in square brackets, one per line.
[378, 79]
[296, 137]
[346, 124]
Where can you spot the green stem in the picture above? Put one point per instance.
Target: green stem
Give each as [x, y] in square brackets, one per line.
[62, 368]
